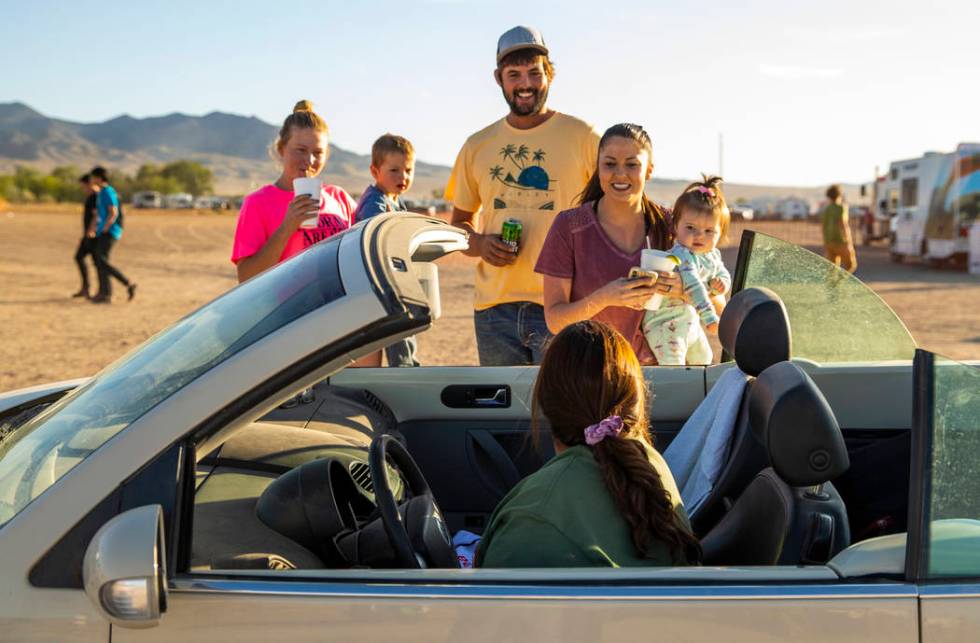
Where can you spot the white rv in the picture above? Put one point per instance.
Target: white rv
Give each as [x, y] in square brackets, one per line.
[933, 201]
[178, 200]
[147, 199]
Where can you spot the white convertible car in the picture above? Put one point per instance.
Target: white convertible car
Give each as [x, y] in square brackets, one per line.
[231, 479]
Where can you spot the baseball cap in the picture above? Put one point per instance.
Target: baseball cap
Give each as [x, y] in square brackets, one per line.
[520, 37]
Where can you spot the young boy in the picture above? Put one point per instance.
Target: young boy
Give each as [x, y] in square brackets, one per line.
[392, 165]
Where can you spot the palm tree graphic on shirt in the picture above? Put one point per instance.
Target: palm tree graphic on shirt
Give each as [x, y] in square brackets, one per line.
[530, 176]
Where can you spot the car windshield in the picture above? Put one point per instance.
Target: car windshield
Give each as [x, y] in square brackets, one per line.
[834, 317]
[36, 454]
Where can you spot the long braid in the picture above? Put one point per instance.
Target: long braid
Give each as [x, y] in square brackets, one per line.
[642, 499]
[589, 373]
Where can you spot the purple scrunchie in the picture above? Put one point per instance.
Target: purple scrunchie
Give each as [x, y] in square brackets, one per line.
[611, 427]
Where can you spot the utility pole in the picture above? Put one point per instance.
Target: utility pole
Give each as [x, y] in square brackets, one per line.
[721, 154]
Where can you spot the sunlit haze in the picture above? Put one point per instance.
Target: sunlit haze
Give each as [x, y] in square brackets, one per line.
[802, 94]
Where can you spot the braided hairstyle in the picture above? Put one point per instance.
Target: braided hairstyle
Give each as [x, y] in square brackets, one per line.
[703, 197]
[657, 223]
[589, 373]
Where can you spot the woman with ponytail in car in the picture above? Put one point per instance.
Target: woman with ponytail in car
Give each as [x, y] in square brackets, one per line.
[607, 498]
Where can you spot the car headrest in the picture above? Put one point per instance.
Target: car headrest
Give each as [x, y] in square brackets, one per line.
[791, 417]
[754, 329]
[301, 504]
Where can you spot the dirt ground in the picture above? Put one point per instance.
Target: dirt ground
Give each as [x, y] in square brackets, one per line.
[180, 260]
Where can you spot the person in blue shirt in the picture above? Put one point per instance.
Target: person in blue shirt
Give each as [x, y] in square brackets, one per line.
[392, 166]
[108, 230]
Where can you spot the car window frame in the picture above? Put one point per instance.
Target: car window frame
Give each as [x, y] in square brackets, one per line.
[919, 535]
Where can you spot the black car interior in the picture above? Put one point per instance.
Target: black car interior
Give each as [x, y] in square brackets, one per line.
[305, 487]
[790, 513]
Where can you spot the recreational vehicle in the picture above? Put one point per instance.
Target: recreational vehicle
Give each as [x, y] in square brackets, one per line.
[933, 200]
[178, 200]
[147, 199]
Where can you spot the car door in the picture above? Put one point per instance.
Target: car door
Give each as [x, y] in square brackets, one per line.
[803, 605]
[944, 531]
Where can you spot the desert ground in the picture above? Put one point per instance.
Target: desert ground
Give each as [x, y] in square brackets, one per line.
[180, 261]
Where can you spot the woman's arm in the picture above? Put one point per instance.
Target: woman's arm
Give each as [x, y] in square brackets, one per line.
[559, 311]
[300, 208]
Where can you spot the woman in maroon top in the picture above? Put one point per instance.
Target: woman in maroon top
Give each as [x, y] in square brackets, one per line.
[590, 249]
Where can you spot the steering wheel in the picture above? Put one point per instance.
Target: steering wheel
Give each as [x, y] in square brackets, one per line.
[416, 530]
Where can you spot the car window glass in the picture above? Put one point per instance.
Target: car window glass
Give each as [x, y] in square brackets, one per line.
[35, 454]
[834, 317]
[954, 484]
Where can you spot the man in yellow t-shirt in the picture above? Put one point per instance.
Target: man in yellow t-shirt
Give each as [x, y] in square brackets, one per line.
[529, 166]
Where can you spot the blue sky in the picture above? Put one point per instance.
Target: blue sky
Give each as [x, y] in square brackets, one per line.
[804, 92]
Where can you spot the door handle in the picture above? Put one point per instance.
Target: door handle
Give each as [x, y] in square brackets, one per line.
[465, 396]
[499, 398]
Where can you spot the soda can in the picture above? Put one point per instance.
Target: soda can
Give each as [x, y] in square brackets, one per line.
[511, 233]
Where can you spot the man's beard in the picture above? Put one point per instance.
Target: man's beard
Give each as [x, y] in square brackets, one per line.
[537, 106]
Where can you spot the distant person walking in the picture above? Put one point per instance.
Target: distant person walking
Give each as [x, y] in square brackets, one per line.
[526, 167]
[108, 231]
[837, 243]
[269, 222]
[86, 245]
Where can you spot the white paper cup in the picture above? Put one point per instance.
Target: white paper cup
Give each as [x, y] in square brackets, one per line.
[659, 261]
[311, 186]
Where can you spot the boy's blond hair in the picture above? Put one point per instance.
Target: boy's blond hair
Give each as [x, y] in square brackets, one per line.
[390, 144]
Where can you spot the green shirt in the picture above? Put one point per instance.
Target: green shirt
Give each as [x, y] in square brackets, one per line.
[563, 516]
[834, 219]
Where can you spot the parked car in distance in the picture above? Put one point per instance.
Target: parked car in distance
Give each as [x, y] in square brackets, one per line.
[212, 203]
[741, 212]
[178, 200]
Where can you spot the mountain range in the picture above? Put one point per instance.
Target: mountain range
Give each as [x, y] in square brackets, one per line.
[237, 149]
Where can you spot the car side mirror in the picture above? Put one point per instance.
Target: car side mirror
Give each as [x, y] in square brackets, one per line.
[124, 568]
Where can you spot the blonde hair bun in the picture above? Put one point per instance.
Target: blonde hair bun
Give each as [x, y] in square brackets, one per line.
[303, 106]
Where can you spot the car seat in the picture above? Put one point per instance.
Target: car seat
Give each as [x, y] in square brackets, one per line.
[755, 331]
[790, 513]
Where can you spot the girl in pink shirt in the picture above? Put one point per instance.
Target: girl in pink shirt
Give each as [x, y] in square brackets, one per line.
[269, 222]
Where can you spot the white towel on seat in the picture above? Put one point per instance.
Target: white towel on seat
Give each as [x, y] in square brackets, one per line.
[700, 450]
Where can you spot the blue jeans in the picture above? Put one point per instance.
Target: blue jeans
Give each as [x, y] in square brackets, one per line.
[511, 334]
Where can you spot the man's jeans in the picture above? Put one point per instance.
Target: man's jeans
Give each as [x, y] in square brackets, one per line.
[511, 334]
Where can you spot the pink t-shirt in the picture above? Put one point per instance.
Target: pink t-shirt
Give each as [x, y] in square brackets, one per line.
[263, 211]
[577, 248]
